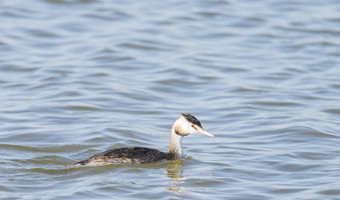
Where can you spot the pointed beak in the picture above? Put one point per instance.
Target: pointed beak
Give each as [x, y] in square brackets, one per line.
[204, 132]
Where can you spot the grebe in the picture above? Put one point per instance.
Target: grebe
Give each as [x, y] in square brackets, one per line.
[183, 126]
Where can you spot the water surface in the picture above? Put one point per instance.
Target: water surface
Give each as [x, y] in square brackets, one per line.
[79, 77]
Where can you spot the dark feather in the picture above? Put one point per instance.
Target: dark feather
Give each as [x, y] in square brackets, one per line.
[192, 119]
[126, 155]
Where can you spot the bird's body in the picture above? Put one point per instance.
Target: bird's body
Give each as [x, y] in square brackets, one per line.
[126, 155]
[183, 126]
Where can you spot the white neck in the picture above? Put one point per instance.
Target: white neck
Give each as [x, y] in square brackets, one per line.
[175, 144]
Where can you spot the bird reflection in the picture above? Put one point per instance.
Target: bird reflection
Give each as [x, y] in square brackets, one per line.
[175, 172]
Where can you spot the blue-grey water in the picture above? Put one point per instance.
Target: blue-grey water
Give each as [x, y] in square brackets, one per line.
[78, 77]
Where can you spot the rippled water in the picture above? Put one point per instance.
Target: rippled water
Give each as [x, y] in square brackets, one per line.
[81, 76]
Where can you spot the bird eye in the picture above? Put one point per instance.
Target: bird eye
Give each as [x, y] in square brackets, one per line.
[192, 125]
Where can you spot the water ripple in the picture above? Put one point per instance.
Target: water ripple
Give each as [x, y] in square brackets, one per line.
[79, 77]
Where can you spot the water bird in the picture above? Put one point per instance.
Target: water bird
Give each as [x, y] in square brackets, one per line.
[186, 124]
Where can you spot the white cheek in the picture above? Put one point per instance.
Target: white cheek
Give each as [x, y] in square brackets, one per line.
[192, 130]
[185, 125]
[188, 129]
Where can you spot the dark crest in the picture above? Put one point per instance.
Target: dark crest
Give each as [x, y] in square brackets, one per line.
[192, 119]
